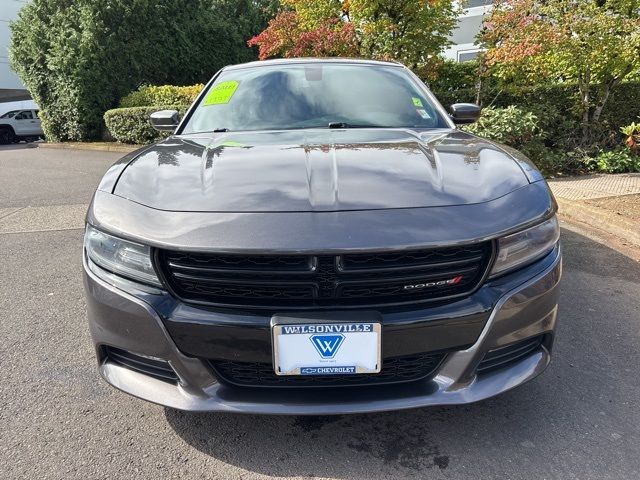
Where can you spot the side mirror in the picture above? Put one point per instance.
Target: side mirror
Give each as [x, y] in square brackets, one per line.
[165, 120]
[462, 113]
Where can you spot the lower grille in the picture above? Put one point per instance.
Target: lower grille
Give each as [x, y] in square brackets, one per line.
[159, 369]
[275, 282]
[505, 356]
[394, 370]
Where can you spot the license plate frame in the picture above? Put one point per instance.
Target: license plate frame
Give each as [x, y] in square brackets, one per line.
[305, 346]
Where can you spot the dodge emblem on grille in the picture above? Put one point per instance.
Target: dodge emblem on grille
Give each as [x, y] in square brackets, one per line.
[439, 283]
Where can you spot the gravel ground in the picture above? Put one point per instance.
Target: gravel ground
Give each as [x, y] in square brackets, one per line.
[627, 206]
[58, 420]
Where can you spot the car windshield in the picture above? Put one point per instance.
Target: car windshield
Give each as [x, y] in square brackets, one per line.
[319, 95]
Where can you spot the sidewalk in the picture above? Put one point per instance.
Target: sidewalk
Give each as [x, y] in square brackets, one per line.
[606, 202]
[99, 146]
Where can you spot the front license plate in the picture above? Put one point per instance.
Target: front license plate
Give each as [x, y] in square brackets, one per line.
[327, 348]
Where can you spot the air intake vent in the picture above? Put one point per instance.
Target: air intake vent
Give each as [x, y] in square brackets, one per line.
[505, 356]
[305, 281]
[394, 370]
[159, 369]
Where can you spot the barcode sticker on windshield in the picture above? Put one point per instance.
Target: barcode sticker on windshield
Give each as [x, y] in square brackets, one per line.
[221, 93]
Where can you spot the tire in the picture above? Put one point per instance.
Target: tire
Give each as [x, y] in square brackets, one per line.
[7, 136]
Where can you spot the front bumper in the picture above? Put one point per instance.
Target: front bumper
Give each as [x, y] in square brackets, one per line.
[515, 307]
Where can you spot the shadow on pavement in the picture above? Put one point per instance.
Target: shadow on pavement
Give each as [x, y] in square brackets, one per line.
[576, 420]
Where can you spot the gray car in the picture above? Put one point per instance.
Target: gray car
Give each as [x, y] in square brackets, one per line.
[317, 237]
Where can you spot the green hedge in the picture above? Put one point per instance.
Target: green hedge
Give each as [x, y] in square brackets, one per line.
[556, 149]
[558, 112]
[149, 95]
[132, 124]
[452, 76]
[79, 57]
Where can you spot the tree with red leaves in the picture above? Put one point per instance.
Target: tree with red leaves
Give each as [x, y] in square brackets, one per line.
[286, 36]
[594, 44]
[411, 31]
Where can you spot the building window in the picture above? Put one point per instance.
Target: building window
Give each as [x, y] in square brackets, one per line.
[468, 55]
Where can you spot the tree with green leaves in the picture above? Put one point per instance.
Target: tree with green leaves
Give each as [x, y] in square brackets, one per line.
[413, 32]
[79, 57]
[594, 44]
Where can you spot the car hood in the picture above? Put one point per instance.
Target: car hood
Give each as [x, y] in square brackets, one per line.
[319, 170]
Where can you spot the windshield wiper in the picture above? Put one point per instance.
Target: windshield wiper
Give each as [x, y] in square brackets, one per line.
[352, 125]
[220, 130]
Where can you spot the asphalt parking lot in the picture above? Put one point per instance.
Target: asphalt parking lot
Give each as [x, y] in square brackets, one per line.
[58, 420]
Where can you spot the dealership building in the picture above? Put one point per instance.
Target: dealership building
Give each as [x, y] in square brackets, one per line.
[469, 25]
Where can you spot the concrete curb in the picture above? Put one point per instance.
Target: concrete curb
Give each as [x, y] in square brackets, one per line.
[618, 226]
[99, 147]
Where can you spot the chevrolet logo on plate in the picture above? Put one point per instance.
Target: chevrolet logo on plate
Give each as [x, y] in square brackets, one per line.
[327, 345]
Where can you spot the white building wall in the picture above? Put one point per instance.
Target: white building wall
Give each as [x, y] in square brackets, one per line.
[469, 25]
[8, 12]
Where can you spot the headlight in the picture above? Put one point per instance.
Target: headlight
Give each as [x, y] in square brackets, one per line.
[128, 259]
[526, 246]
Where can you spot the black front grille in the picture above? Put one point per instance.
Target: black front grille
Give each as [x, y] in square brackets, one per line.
[394, 370]
[308, 281]
[505, 356]
[156, 368]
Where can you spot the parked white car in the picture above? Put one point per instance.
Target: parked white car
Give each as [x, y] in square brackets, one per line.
[18, 125]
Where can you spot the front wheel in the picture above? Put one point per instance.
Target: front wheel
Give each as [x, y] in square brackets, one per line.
[6, 136]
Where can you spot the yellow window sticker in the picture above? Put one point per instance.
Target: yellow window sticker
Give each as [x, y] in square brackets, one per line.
[221, 93]
[231, 143]
[416, 102]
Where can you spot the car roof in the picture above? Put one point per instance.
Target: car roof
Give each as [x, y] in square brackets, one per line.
[311, 60]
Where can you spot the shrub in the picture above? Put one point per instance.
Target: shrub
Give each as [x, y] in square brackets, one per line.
[452, 76]
[516, 128]
[615, 161]
[132, 124]
[558, 111]
[557, 164]
[632, 134]
[79, 57]
[580, 161]
[511, 125]
[149, 95]
[553, 106]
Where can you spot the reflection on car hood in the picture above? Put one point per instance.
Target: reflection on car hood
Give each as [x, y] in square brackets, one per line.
[319, 170]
